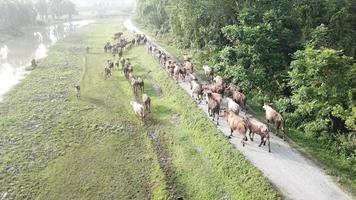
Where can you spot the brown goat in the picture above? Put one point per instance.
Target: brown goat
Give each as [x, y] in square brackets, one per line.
[197, 93]
[237, 96]
[257, 127]
[146, 100]
[188, 67]
[216, 96]
[128, 69]
[141, 84]
[137, 84]
[237, 124]
[213, 108]
[107, 72]
[122, 62]
[176, 72]
[214, 88]
[235, 87]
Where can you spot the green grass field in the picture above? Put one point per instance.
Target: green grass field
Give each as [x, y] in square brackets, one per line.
[55, 146]
[341, 168]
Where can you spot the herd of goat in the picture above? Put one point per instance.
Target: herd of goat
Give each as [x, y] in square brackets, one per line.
[223, 99]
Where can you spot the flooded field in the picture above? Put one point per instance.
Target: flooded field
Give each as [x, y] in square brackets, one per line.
[16, 54]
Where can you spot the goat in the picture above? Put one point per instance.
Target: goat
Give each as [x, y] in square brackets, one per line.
[176, 72]
[259, 128]
[108, 72]
[209, 73]
[214, 88]
[233, 106]
[213, 108]
[216, 96]
[275, 118]
[120, 53]
[197, 93]
[219, 81]
[237, 124]
[141, 84]
[128, 69]
[237, 96]
[110, 65]
[192, 77]
[138, 109]
[146, 100]
[137, 84]
[77, 89]
[235, 87]
[188, 67]
[122, 62]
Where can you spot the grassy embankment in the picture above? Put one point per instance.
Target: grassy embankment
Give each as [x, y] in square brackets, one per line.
[55, 146]
[342, 168]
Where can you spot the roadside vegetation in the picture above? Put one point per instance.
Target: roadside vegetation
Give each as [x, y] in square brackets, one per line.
[281, 52]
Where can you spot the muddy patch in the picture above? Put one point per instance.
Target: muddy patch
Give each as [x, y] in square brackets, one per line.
[165, 164]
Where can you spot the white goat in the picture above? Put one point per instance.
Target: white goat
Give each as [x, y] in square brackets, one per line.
[197, 93]
[208, 72]
[233, 106]
[219, 80]
[138, 109]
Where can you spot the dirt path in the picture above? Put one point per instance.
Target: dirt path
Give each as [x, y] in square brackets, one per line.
[165, 164]
[295, 176]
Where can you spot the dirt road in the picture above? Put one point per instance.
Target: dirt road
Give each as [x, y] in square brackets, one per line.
[295, 176]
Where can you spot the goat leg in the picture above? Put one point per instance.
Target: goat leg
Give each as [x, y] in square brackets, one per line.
[251, 134]
[262, 141]
[269, 145]
[231, 131]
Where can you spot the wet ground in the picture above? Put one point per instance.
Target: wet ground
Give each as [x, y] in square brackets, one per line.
[16, 54]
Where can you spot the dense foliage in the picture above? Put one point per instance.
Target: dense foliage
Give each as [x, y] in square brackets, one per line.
[16, 13]
[297, 54]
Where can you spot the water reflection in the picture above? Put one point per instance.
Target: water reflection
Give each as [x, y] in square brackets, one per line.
[16, 55]
[39, 36]
[41, 51]
[3, 52]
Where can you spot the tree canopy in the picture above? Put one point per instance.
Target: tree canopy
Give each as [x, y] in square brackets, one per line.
[17, 13]
[298, 54]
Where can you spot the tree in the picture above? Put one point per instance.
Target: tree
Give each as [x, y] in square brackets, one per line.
[322, 85]
[252, 43]
[17, 13]
[42, 9]
[59, 8]
[69, 8]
